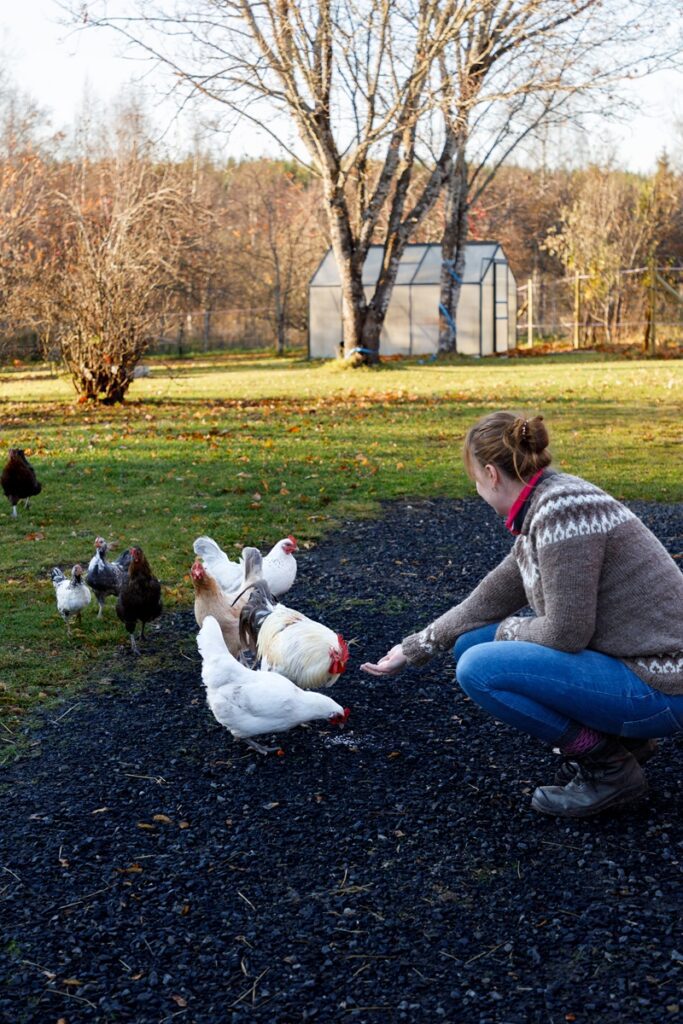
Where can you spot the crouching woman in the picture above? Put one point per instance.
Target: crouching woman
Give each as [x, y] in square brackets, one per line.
[597, 670]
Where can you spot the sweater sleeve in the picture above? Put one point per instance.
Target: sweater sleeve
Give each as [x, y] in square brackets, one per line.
[570, 578]
[500, 593]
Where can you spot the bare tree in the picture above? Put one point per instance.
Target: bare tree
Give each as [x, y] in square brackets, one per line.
[356, 78]
[274, 212]
[515, 67]
[615, 222]
[25, 181]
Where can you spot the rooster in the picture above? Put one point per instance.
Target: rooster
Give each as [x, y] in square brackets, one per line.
[209, 599]
[19, 479]
[279, 565]
[139, 597]
[105, 578]
[250, 703]
[72, 594]
[285, 641]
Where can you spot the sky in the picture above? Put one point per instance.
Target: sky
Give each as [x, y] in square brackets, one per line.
[58, 67]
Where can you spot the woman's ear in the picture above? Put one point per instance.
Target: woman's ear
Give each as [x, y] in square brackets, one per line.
[493, 474]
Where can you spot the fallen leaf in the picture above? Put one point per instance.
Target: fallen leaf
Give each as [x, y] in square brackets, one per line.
[100, 810]
[162, 817]
[179, 1000]
[72, 981]
[148, 827]
[183, 824]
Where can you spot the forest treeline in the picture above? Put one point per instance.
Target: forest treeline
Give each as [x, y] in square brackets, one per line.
[105, 240]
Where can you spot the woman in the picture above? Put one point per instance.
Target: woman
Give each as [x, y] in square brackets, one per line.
[598, 669]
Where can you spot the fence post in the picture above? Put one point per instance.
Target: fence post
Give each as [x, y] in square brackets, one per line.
[577, 310]
[652, 335]
[530, 313]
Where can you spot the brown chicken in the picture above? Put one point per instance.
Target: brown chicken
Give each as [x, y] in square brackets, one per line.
[210, 599]
[139, 597]
[19, 479]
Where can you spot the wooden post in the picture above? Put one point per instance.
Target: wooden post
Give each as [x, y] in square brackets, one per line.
[653, 308]
[530, 313]
[577, 311]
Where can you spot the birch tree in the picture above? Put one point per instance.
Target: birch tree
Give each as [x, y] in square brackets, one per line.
[514, 68]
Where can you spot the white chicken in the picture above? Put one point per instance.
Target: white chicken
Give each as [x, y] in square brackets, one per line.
[279, 565]
[286, 641]
[72, 594]
[252, 703]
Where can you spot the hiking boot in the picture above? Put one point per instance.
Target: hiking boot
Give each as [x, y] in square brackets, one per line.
[642, 750]
[607, 777]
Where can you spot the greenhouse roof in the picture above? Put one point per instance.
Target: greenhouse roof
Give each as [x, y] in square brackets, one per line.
[420, 265]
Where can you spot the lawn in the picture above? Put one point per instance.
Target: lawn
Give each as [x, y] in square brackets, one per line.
[249, 448]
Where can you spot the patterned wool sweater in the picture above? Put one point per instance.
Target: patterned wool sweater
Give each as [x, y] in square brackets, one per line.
[595, 577]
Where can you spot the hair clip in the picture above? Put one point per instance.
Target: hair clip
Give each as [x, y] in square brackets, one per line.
[525, 427]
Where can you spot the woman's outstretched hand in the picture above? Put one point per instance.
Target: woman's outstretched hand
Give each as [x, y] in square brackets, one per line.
[392, 662]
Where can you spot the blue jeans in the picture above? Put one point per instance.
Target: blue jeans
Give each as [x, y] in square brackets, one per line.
[549, 693]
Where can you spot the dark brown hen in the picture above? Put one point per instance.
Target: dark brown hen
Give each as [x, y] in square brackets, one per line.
[139, 597]
[19, 479]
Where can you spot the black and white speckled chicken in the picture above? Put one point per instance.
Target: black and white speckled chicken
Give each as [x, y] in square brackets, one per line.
[105, 578]
[72, 594]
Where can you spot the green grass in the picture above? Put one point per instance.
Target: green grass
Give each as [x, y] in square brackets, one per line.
[250, 448]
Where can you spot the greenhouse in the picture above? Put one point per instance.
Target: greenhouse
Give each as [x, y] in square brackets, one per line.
[486, 317]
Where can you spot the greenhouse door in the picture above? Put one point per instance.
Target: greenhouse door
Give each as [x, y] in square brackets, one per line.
[500, 306]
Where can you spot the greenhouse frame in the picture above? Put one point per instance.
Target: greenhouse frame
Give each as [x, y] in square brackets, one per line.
[487, 310]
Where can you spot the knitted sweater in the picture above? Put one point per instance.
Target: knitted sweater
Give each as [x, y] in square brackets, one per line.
[595, 577]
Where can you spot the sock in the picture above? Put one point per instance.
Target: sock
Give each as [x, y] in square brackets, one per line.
[583, 742]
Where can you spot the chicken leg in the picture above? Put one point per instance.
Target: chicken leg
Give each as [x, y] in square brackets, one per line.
[261, 749]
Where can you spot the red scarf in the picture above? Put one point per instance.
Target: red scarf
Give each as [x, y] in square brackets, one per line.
[518, 511]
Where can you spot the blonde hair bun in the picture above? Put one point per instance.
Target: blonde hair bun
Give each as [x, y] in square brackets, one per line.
[518, 445]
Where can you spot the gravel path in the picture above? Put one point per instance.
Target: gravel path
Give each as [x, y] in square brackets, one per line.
[152, 869]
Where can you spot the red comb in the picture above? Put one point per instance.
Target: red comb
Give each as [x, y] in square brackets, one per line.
[292, 540]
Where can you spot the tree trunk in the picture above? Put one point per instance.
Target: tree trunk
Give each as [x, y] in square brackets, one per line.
[453, 243]
[280, 323]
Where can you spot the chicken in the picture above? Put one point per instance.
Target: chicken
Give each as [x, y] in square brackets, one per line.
[139, 597]
[105, 578]
[72, 594]
[209, 599]
[250, 703]
[279, 565]
[286, 641]
[19, 479]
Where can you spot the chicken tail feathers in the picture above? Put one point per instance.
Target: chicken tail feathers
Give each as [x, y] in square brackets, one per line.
[259, 606]
[57, 576]
[205, 547]
[216, 658]
[253, 566]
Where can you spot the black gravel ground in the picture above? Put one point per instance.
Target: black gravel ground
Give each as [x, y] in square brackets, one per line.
[152, 869]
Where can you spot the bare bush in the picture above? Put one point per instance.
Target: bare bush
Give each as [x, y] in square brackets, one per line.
[128, 238]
